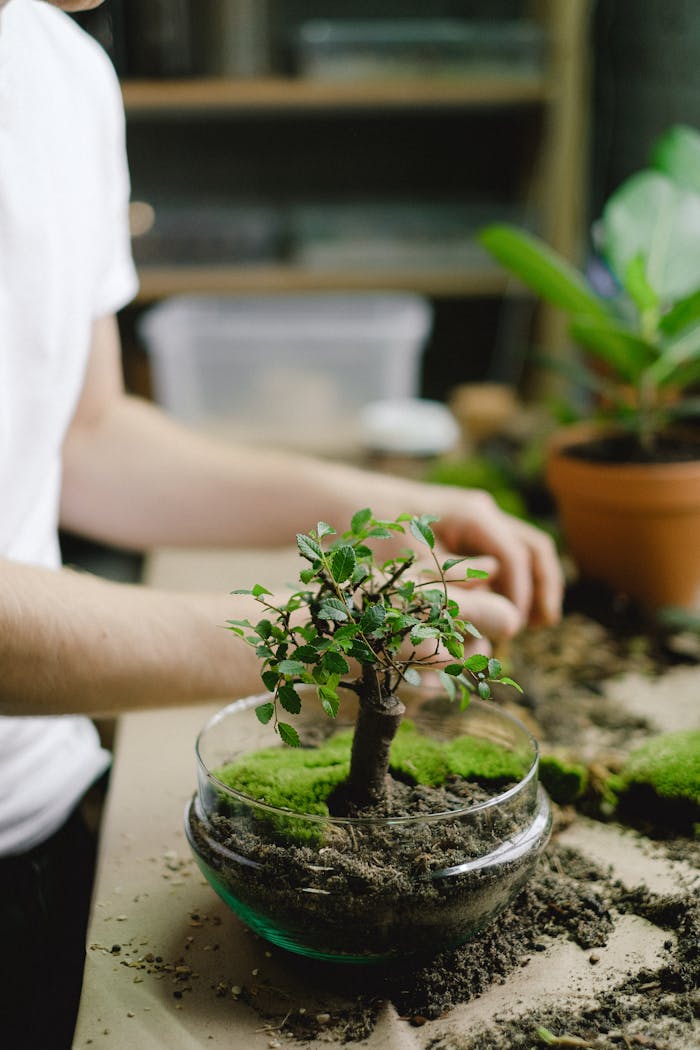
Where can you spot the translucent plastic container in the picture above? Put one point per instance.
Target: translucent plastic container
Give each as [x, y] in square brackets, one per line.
[294, 369]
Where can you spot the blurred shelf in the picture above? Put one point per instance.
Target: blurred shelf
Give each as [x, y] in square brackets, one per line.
[160, 281]
[226, 95]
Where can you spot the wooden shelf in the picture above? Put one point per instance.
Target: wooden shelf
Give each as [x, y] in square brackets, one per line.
[222, 95]
[157, 282]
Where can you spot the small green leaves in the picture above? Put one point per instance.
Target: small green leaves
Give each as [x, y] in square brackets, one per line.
[308, 547]
[356, 606]
[477, 574]
[264, 712]
[342, 563]
[289, 734]
[333, 609]
[359, 519]
[420, 527]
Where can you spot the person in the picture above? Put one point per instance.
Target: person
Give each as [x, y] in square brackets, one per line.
[78, 451]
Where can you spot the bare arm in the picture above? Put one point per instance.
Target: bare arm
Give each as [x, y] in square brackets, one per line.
[71, 642]
[135, 478]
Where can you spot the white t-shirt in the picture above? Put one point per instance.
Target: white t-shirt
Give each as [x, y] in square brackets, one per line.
[64, 261]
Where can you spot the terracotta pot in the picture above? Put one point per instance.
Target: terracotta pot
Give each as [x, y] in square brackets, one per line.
[634, 527]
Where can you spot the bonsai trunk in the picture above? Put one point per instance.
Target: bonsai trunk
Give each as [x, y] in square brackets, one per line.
[378, 719]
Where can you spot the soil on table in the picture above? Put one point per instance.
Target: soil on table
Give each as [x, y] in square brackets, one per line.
[569, 898]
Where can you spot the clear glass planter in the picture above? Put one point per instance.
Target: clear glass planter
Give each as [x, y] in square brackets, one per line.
[367, 889]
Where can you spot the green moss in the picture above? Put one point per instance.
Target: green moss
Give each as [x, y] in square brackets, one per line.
[669, 763]
[660, 780]
[484, 761]
[565, 781]
[417, 758]
[302, 779]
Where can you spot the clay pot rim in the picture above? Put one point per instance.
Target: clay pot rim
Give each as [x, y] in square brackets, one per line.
[578, 433]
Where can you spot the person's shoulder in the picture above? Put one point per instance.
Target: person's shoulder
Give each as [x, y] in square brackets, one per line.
[68, 41]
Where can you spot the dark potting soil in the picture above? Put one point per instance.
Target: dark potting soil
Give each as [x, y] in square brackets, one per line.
[682, 447]
[568, 897]
[369, 887]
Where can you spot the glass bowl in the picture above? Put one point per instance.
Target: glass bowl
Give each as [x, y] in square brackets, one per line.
[368, 889]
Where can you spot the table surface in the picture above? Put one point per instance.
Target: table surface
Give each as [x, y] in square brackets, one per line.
[165, 957]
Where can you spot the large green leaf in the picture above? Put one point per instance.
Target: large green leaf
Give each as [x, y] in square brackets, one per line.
[540, 268]
[651, 216]
[683, 313]
[677, 356]
[677, 154]
[623, 351]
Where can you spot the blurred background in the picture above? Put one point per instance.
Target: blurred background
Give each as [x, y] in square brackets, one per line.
[293, 148]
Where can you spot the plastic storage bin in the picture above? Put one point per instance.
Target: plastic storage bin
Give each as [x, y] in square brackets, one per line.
[287, 369]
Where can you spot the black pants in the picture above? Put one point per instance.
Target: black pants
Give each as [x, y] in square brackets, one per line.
[44, 906]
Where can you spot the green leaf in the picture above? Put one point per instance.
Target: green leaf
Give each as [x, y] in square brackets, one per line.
[330, 701]
[682, 314]
[342, 564]
[510, 681]
[448, 684]
[307, 575]
[541, 269]
[412, 676]
[289, 734]
[362, 653]
[446, 565]
[454, 648]
[334, 663]
[289, 698]
[308, 547]
[453, 669]
[493, 668]
[677, 354]
[477, 663]
[333, 609]
[263, 628]
[677, 154]
[306, 653]
[626, 353]
[270, 679]
[422, 631]
[652, 216]
[291, 667]
[484, 690]
[258, 589]
[420, 527]
[637, 285]
[360, 519]
[477, 574]
[372, 618]
[324, 529]
[264, 712]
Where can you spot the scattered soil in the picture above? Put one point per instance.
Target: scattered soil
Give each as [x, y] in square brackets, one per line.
[373, 889]
[569, 898]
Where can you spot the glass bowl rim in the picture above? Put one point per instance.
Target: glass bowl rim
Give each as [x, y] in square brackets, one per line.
[248, 702]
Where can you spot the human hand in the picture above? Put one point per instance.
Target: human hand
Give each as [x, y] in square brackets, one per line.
[527, 571]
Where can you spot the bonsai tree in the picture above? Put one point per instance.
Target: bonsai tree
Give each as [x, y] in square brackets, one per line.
[645, 333]
[357, 610]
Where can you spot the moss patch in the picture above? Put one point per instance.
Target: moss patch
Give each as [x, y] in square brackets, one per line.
[660, 780]
[565, 781]
[302, 779]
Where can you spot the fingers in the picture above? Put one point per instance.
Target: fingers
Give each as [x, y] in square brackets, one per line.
[547, 574]
[528, 571]
[494, 616]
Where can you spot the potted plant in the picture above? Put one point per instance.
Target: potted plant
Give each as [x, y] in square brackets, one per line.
[402, 816]
[628, 491]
